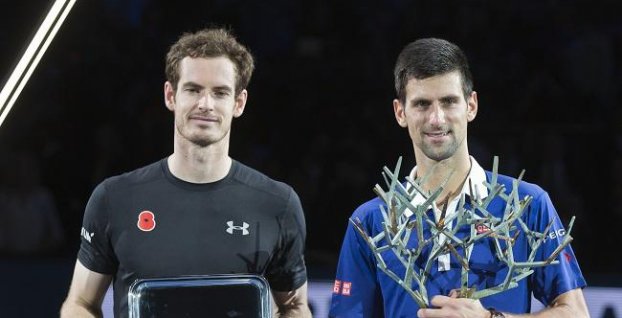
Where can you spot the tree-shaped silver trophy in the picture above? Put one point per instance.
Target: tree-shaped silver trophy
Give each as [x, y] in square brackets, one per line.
[437, 236]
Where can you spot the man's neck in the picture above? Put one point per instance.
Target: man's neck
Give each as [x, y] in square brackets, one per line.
[454, 170]
[197, 164]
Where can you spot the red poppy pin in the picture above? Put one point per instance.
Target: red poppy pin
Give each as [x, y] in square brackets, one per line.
[146, 221]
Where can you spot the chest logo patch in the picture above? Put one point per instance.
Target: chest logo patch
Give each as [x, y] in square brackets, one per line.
[146, 221]
[244, 228]
[482, 228]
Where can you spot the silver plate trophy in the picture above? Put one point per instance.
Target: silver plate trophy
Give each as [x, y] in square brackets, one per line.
[401, 219]
[240, 296]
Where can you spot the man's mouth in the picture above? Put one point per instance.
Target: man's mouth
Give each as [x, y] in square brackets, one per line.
[437, 134]
[204, 118]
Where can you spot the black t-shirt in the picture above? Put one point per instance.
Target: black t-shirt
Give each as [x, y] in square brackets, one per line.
[147, 224]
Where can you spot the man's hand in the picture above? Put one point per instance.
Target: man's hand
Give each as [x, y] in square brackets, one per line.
[452, 307]
[569, 304]
[292, 303]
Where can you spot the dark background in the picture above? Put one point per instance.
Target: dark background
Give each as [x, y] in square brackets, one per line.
[319, 115]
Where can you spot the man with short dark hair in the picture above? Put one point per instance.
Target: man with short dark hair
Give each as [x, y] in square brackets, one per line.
[435, 103]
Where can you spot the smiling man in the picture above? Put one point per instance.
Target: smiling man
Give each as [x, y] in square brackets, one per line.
[435, 103]
[198, 211]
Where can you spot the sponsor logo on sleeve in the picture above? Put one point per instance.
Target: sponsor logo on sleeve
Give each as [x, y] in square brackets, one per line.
[337, 287]
[342, 288]
[346, 288]
[86, 235]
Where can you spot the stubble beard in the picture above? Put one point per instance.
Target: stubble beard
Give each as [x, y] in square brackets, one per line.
[440, 152]
[198, 139]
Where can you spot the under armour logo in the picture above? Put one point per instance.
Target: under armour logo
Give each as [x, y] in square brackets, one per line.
[243, 228]
[86, 235]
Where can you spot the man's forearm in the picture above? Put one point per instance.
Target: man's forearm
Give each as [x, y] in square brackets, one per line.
[301, 310]
[562, 311]
[291, 303]
[70, 310]
[570, 304]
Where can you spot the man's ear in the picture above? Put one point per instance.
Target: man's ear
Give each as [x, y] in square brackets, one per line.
[169, 96]
[472, 106]
[240, 103]
[400, 113]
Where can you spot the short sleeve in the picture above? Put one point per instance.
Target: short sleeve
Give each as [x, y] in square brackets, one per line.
[96, 252]
[550, 281]
[287, 270]
[355, 291]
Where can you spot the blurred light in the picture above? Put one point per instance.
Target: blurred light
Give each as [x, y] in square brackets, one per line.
[28, 62]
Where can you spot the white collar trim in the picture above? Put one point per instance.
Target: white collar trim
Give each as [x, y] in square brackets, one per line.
[477, 176]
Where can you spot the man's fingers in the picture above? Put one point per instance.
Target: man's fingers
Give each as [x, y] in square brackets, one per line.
[440, 301]
[432, 313]
[454, 293]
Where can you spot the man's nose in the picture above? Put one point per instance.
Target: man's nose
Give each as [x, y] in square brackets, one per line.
[206, 102]
[437, 114]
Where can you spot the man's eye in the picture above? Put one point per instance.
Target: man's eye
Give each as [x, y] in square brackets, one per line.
[191, 90]
[449, 101]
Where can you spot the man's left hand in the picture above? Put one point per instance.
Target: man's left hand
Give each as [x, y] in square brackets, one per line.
[452, 307]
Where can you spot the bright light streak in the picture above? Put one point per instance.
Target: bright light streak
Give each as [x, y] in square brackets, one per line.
[37, 47]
